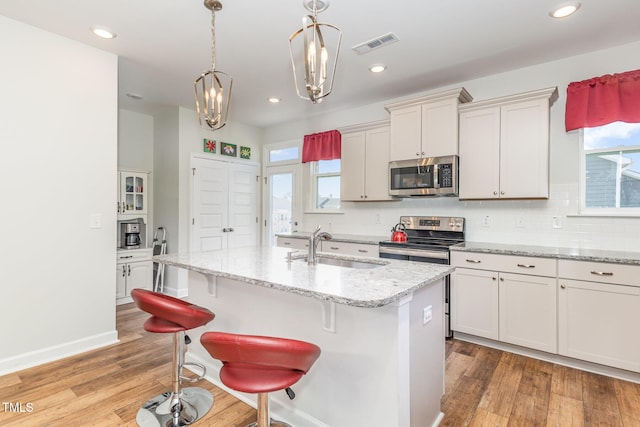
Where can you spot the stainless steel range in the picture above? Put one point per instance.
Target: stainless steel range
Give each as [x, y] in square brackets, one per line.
[428, 240]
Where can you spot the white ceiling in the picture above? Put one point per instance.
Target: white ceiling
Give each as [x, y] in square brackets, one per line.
[164, 45]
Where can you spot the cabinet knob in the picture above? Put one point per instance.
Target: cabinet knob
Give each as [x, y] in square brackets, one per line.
[418, 154]
[361, 196]
[502, 279]
[562, 286]
[495, 193]
[365, 196]
[493, 278]
[502, 192]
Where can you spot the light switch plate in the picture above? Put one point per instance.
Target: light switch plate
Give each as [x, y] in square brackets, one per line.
[95, 220]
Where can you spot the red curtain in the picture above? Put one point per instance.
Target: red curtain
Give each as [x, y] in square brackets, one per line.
[322, 146]
[602, 100]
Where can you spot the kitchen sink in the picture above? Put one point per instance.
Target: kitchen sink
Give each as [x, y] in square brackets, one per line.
[343, 262]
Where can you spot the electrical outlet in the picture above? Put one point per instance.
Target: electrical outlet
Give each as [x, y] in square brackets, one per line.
[95, 220]
[556, 222]
[427, 314]
[520, 223]
[485, 221]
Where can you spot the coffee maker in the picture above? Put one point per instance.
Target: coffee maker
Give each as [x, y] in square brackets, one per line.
[130, 235]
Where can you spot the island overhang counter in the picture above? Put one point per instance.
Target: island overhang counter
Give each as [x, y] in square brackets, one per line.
[381, 331]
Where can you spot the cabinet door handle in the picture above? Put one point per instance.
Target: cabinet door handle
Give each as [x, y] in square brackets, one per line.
[231, 229]
[334, 248]
[493, 278]
[502, 193]
[129, 270]
[495, 193]
[602, 273]
[364, 251]
[124, 270]
[502, 279]
[224, 230]
[126, 256]
[474, 261]
[287, 243]
[562, 286]
[526, 265]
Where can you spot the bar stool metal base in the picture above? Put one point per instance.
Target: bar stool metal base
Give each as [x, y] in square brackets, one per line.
[156, 412]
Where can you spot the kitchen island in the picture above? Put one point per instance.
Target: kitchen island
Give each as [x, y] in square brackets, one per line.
[380, 327]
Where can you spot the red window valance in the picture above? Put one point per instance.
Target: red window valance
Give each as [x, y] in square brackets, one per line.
[322, 146]
[602, 100]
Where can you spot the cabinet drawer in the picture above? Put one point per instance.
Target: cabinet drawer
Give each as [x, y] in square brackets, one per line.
[600, 272]
[133, 255]
[293, 242]
[534, 266]
[346, 248]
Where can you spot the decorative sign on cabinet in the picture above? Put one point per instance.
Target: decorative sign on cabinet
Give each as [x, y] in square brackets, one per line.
[365, 150]
[504, 146]
[426, 126]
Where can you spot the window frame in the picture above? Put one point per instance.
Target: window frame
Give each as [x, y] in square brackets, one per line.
[313, 175]
[593, 211]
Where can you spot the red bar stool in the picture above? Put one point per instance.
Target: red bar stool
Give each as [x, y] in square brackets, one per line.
[169, 315]
[257, 364]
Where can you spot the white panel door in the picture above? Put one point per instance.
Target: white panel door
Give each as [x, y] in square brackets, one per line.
[243, 205]
[474, 302]
[376, 165]
[210, 205]
[352, 177]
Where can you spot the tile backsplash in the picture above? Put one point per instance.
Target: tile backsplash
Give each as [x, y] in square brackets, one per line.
[551, 222]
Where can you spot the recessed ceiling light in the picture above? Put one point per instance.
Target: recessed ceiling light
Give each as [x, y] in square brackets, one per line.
[103, 32]
[564, 10]
[377, 68]
[135, 96]
[274, 99]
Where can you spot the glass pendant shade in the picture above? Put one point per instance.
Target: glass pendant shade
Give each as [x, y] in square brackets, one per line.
[213, 88]
[315, 47]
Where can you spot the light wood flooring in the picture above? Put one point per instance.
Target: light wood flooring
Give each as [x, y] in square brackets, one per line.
[485, 387]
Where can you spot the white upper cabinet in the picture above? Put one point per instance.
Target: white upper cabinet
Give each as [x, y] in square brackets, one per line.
[132, 195]
[365, 162]
[504, 147]
[426, 126]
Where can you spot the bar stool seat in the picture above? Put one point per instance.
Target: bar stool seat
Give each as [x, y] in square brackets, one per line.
[169, 315]
[259, 364]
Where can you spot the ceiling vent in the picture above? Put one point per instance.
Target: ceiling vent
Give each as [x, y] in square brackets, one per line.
[376, 43]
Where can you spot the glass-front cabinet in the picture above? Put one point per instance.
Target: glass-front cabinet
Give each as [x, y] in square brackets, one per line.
[132, 199]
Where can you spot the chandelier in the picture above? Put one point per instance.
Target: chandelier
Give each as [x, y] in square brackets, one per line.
[319, 70]
[213, 88]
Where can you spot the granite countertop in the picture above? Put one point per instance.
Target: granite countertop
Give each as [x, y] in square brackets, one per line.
[595, 255]
[267, 266]
[337, 237]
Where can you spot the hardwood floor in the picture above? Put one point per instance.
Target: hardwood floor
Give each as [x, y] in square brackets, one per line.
[485, 387]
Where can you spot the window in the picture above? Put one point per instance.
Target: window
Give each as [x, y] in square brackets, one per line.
[610, 162]
[284, 154]
[325, 185]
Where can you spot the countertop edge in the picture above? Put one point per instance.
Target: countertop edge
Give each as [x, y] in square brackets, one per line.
[612, 257]
[374, 303]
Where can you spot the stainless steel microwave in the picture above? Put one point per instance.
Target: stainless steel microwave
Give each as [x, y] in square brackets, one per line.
[430, 176]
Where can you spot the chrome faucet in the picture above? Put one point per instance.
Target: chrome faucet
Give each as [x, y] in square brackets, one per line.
[314, 239]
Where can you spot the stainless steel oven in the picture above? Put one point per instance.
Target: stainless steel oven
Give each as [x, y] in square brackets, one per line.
[428, 240]
[432, 176]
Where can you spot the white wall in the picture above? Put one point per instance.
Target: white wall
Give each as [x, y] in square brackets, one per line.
[58, 142]
[135, 152]
[577, 231]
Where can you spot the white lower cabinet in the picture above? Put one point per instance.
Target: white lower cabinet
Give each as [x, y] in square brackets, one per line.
[528, 311]
[491, 301]
[292, 242]
[598, 319]
[349, 248]
[330, 246]
[133, 270]
[474, 302]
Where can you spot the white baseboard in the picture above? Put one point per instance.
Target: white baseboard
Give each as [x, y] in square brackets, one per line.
[553, 358]
[57, 352]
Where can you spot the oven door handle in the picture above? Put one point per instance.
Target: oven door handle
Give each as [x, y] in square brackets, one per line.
[414, 252]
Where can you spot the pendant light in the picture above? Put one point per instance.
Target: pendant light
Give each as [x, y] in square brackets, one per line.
[213, 87]
[318, 72]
